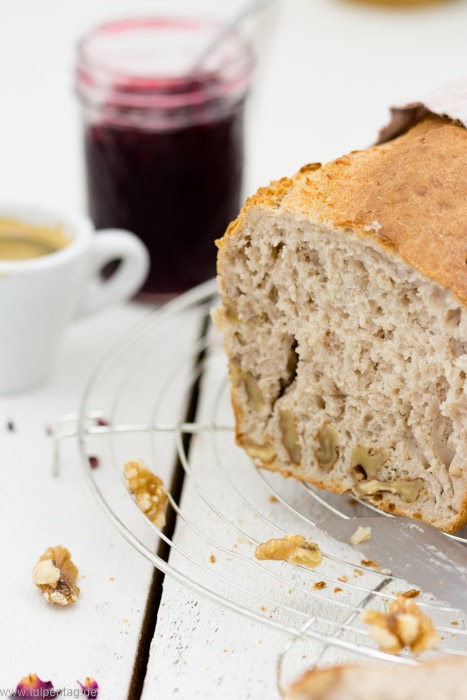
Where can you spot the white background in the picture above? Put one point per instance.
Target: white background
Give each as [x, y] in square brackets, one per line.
[327, 71]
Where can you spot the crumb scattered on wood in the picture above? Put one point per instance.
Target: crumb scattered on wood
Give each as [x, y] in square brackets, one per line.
[370, 562]
[413, 593]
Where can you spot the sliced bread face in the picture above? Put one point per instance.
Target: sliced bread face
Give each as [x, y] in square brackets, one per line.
[347, 365]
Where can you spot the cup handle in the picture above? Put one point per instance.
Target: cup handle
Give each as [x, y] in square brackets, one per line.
[109, 245]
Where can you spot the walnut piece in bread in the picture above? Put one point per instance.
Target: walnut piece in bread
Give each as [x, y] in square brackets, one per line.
[344, 311]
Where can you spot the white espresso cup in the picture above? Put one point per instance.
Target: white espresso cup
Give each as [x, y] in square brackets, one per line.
[40, 296]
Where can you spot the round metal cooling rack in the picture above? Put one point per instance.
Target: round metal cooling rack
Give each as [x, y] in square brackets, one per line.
[161, 394]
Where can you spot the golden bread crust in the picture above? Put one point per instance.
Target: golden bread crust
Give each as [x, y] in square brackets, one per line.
[408, 195]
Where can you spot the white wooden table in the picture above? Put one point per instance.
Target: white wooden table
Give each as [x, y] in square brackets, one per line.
[327, 71]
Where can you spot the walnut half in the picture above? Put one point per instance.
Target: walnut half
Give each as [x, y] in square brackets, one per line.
[266, 453]
[294, 549]
[369, 459]
[408, 490]
[148, 490]
[253, 392]
[403, 625]
[290, 436]
[55, 574]
[328, 441]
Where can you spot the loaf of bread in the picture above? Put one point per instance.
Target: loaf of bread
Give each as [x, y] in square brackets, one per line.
[436, 680]
[344, 293]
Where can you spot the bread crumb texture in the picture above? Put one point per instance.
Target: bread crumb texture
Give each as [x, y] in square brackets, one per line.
[345, 327]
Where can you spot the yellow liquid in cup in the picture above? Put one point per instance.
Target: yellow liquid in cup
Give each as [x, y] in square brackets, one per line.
[23, 241]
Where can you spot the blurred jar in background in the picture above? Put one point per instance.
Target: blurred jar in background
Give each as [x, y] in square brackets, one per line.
[164, 144]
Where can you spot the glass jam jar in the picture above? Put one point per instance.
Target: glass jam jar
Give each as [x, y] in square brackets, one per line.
[164, 142]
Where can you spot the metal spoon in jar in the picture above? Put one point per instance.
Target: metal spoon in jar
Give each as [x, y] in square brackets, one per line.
[228, 29]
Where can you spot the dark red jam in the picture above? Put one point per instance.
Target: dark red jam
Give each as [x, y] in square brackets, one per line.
[163, 139]
[176, 189]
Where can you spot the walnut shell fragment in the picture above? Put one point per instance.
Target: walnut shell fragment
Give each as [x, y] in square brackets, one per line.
[403, 625]
[148, 490]
[55, 574]
[294, 549]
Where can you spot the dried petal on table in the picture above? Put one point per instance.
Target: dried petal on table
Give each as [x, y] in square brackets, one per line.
[31, 686]
[89, 688]
[148, 490]
[294, 549]
[404, 625]
[55, 574]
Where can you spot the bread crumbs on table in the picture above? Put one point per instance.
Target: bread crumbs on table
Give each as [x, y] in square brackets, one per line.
[357, 572]
[413, 593]
[212, 559]
[320, 584]
[370, 562]
[343, 578]
[272, 499]
[337, 590]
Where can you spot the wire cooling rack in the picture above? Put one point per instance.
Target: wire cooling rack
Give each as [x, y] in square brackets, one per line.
[161, 394]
